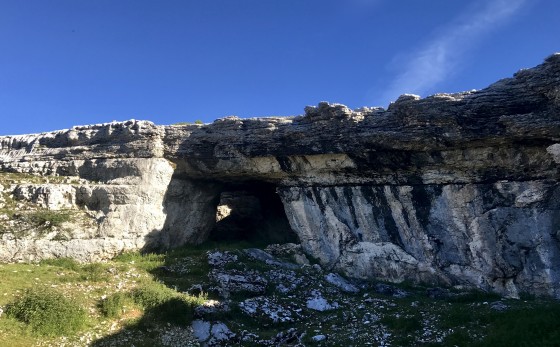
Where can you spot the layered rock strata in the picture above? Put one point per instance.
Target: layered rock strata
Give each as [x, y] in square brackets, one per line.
[459, 189]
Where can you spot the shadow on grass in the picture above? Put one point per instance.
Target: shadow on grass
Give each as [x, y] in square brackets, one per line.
[536, 327]
[164, 300]
[147, 330]
[185, 267]
[537, 324]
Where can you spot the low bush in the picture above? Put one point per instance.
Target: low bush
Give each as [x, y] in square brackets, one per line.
[48, 312]
[65, 263]
[115, 305]
[165, 304]
[48, 218]
[152, 294]
[94, 272]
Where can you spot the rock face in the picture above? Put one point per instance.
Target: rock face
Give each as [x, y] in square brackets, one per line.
[457, 189]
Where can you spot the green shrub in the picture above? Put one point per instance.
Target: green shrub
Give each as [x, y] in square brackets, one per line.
[165, 304]
[48, 312]
[152, 294]
[65, 263]
[94, 272]
[114, 305]
[48, 218]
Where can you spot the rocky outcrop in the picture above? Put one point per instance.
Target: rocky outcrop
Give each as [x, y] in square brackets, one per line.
[114, 177]
[459, 189]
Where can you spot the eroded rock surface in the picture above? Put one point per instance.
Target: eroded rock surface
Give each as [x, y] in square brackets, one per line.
[454, 189]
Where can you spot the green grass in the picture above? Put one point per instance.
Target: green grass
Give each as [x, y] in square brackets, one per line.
[48, 312]
[142, 302]
[146, 262]
[520, 327]
[404, 325]
[18, 277]
[474, 296]
[63, 263]
[403, 328]
[151, 296]
[531, 322]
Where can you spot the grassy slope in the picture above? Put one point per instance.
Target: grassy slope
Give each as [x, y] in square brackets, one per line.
[87, 284]
[153, 300]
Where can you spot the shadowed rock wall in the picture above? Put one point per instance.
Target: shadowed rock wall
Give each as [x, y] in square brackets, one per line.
[459, 189]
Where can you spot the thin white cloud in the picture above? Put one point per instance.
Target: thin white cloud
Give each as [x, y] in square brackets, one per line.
[431, 64]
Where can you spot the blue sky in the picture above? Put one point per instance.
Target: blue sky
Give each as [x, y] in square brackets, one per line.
[71, 62]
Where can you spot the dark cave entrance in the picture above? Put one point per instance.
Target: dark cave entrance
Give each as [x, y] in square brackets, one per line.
[253, 212]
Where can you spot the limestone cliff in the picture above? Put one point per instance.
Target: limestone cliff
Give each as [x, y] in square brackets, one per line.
[460, 189]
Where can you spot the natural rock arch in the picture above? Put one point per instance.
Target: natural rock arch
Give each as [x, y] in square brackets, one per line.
[460, 189]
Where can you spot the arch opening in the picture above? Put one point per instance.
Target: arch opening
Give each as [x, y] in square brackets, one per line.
[253, 212]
